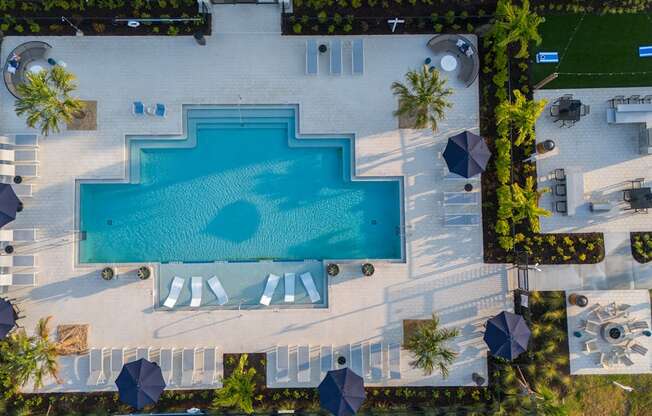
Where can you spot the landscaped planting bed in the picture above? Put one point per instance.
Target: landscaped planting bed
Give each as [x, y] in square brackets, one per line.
[641, 246]
[96, 17]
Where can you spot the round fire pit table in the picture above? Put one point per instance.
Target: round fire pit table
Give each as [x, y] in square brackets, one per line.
[613, 332]
[448, 63]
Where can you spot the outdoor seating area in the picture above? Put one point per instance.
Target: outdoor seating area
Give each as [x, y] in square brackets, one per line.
[30, 56]
[457, 51]
[567, 110]
[333, 50]
[609, 332]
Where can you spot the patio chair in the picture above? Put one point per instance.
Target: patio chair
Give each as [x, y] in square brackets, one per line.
[188, 367]
[591, 345]
[289, 280]
[95, 361]
[461, 220]
[142, 353]
[20, 140]
[356, 359]
[25, 155]
[634, 99]
[637, 325]
[106, 366]
[312, 57]
[177, 367]
[325, 360]
[618, 99]
[336, 57]
[560, 189]
[638, 348]
[394, 361]
[603, 314]
[218, 290]
[554, 110]
[626, 360]
[560, 175]
[376, 361]
[165, 362]
[357, 57]
[567, 97]
[282, 364]
[623, 307]
[272, 282]
[208, 376]
[602, 360]
[309, 284]
[196, 286]
[7, 155]
[160, 110]
[592, 327]
[561, 207]
[303, 364]
[138, 108]
[640, 210]
[175, 290]
[15, 236]
[585, 109]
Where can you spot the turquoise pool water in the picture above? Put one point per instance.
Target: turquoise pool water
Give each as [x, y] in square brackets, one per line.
[239, 187]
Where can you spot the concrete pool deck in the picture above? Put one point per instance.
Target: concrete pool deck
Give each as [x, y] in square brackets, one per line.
[247, 60]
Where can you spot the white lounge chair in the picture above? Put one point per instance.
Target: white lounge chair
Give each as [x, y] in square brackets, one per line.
[25, 155]
[142, 353]
[356, 360]
[17, 261]
[154, 355]
[26, 171]
[394, 361]
[336, 57]
[282, 364]
[357, 56]
[188, 370]
[15, 236]
[289, 287]
[117, 361]
[196, 286]
[303, 364]
[165, 362]
[217, 288]
[95, 361]
[312, 57]
[20, 140]
[7, 155]
[208, 376]
[309, 284]
[376, 361]
[325, 359]
[175, 290]
[272, 282]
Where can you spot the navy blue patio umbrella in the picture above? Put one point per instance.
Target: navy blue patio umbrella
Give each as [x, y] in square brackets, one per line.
[9, 204]
[140, 383]
[7, 318]
[466, 154]
[342, 392]
[507, 335]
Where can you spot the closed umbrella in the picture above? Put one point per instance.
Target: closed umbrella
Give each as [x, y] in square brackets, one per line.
[140, 383]
[507, 335]
[7, 318]
[466, 154]
[9, 204]
[341, 392]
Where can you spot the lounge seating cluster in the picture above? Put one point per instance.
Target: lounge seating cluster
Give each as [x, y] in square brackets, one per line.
[289, 280]
[197, 289]
[157, 110]
[27, 52]
[15, 269]
[19, 162]
[313, 50]
[469, 62]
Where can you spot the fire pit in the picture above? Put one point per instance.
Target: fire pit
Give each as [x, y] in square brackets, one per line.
[613, 332]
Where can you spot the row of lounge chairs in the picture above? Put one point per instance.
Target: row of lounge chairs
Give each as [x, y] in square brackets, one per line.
[357, 57]
[374, 362]
[12, 267]
[19, 155]
[289, 280]
[181, 367]
[197, 290]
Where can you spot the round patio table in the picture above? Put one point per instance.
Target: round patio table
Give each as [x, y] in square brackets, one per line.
[448, 63]
[35, 69]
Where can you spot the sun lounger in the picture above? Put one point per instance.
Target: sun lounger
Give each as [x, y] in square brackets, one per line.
[325, 359]
[336, 57]
[356, 359]
[154, 355]
[17, 261]
[138, 108]
[25, 155]
[309, 284]
[394, 361]
[637, 325]
[272, 282]
[106, 366]
[376, 361]
[177, 367]
[196, 286]
[7, 170]
[357, 57]
[26, 171]
[7, 155]
[644, 51]
[626, 360]
[208, 375]
[165, 362]
[461, 198]
[461, 220]
[15, 236]
[175, 290]
[282, 364]
[160, 110]
[188, 367]
[289, 287]
[592, 327]
[95, 361]
[218, 290]
[639, 349]
[547, 57]
[303, 364]
[117, 361]
[345, 352]
[591, 345]
[20, 140]
[312, 57]
[142, 353]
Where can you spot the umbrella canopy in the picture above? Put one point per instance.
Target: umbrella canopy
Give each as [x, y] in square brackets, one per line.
[466, 154]
[140, 383]
[7, 318]
[9, 203]
[507, 335]
[342, 392]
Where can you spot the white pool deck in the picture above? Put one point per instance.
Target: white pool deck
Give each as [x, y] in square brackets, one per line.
[247, 60]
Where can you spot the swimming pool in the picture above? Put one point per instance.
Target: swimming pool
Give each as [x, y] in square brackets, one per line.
[240, 186]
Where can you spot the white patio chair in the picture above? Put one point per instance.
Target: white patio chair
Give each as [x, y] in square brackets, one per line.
[289, 280]
[175, 290]
[591, 345]
[196, 287]
[357, 57]
[26, 155]
[639, 349]
[312, 57]
[592, 327]
[303, 364]
[217, 288]
[272, 282]
[282, 364]
[309, 284]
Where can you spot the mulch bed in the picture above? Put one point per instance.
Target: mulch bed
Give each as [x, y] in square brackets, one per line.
[641, 243]
[89, 119]
[72, 339]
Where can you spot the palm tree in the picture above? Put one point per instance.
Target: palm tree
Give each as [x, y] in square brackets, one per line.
[423, 96]
[427, 344]
[45, 99]
[545, 402]
[25, 357]
[238, 389]
[526, 204]
[517, 24]
[523, 115]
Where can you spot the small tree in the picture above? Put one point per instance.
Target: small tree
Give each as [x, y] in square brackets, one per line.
[428, 344]
[423, 96]
[517, 24]
[238, 389]
[523, 115]
[45, 99]
[526, 204]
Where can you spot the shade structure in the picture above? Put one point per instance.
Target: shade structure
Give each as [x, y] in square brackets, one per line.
[507, 335]
[341, 392]
[466, 154]
[7, 318]
[9, 204]
[140, 383]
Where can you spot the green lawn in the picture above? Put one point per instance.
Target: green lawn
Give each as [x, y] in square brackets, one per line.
[601, 44]
[596, 396]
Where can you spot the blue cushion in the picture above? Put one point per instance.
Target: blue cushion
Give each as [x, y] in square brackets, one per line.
[160, 110]
[139, 108]
[644, 51]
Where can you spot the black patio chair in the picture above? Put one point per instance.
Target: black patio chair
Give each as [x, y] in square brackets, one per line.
[560, 189]
[560, 174]
[561, 207]
[627, 197]
[634, 99]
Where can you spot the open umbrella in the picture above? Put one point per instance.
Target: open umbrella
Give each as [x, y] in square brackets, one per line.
[466, 154]
[7, 318]
[341, 392]
[140, 383]
[507, 335]
[9, 204]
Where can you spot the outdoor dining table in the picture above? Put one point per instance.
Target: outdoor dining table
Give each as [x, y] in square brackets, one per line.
[640, 198]
[569, 110]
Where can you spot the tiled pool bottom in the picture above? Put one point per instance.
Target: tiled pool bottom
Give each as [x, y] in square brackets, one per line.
[243, 282]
